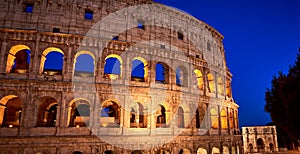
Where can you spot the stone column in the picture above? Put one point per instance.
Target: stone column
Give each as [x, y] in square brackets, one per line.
[58, 116]
[2, 112]
[34, 61]
[67, 71]
[3, 53]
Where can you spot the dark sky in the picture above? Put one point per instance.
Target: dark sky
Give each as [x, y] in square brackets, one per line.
[261, 38]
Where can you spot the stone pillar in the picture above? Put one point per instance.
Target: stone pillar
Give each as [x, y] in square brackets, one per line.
[3, 53]
[152, 68]
[58, 116]
[67, 71]
[35, 61]
[219, 120]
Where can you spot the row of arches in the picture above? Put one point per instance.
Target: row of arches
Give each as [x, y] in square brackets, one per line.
[80, 114]
[52, 62]
[261, 147]
[214, 150]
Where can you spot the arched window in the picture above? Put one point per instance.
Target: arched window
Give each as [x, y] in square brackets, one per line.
[271, 145]
[231, 121]
[139, 71]
[137, 117]
[184, 151]
[228, 89]
[108, 152]
[52, 61]
[220, 86]
[236, 119]
[18, 59]
[180, 114]
[47, 112]
[224, 123]
[77, 152]
[181, 76]
[80, 114]
[84, 65]
[113, 67]
[214, 118]
[161, 116]
[200, 81]
[225, 149]
[260, 145]
[215, 150]
[197, 119]
[110, 114]
[10, 109]
[211, 83]
[201, 151]
[162, 73]
[250, 148]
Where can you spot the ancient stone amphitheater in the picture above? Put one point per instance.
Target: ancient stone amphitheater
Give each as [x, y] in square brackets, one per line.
[112, 76]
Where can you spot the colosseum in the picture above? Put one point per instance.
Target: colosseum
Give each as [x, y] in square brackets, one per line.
[112, 76]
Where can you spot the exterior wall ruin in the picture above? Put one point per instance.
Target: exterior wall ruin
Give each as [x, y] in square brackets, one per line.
[38, 107]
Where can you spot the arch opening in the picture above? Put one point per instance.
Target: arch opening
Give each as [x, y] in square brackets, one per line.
[180, 114]
[113, 67]
[79, 114]
[162, 73]
[47, 112]
[161, 117]
[10, 111]
[52, 61]
[214, 118]
[18, 59]
[84, 64]
[139, 70]
[110, 114]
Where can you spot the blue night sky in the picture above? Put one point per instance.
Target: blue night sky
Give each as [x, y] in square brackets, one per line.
[261, 38]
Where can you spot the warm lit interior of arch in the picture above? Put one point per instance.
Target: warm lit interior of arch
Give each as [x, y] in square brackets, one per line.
[228, 89]
[44, 54]
[211, 83]
[225, 150]
[214, 119]
[220, 86]
[114, 76]
[215, 150]
[11, 55]
[201, 151]
[4, 99]
[72, 105]
[12, 116]
[145, 66]
[110, 115]
[200, 81]
[224, 123]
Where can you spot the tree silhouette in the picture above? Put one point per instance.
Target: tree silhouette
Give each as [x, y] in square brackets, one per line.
[283, 100]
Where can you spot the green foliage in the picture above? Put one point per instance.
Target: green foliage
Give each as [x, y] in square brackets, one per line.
[283, 100]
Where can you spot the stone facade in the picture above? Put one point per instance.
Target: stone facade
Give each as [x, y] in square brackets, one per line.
[68, 110]
[260, 139]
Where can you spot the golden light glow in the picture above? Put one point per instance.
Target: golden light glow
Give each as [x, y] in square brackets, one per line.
[199, 76]
[214, 118]
[10, 126]
[211, 83]
[220, 86]
[11, 56]
[44, 54]
[114, 76]
[224, 123]
[145, 66]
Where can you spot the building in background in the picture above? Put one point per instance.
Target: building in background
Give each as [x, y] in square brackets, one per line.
[152, 93]
[260, 139]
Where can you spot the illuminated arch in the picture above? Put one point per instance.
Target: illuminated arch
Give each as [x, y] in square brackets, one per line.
[12, 56]
[145, 68]
[161, 117]
[110, 115]
[225, 149]
[215, 150]
[200, 81]
[10, 111]
[75, 63]
[220, 86]
[211, 83]
[224, 123]
[47, 112]
[214, 118]
[113, 74]
[201, 151]
[79, 112]
[184, 151]
[45, 53]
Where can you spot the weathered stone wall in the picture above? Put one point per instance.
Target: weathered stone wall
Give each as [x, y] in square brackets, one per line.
[200, 50]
